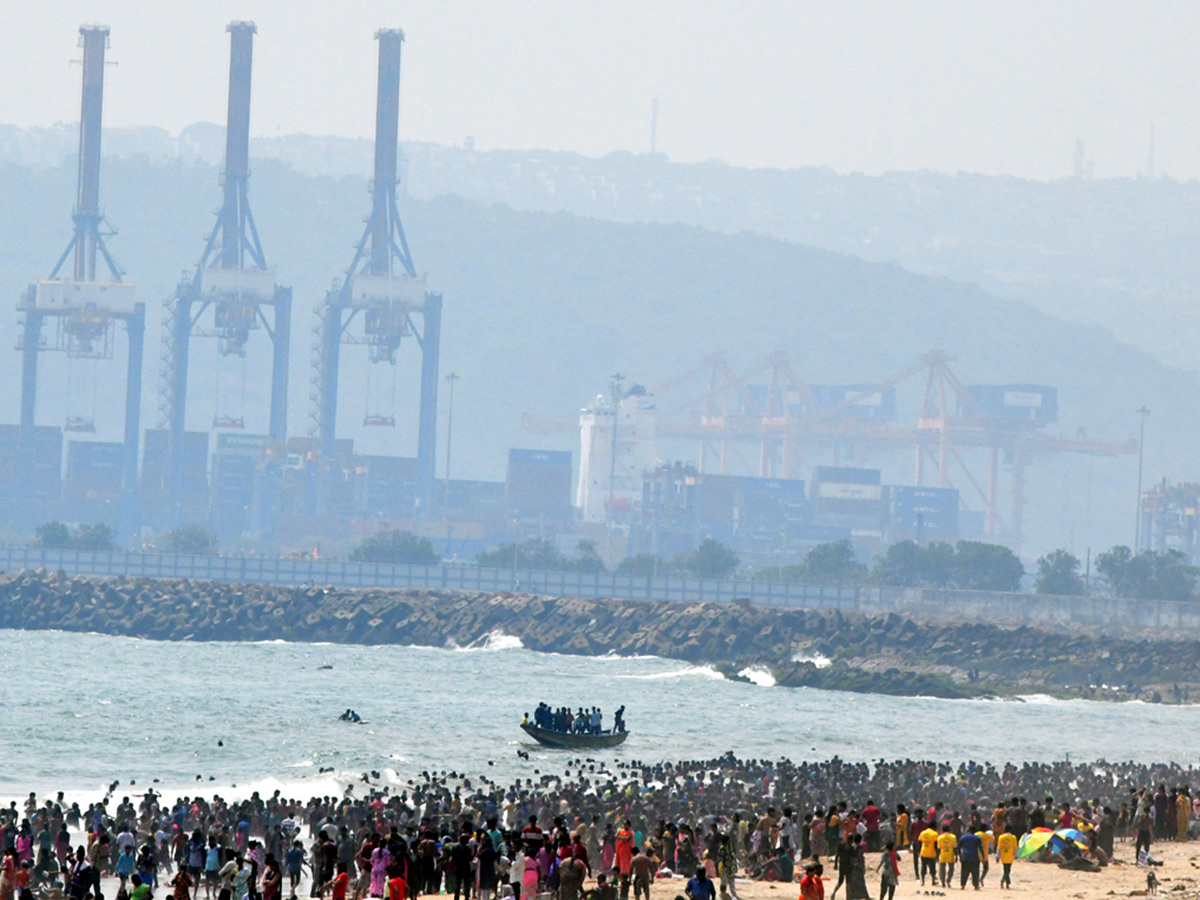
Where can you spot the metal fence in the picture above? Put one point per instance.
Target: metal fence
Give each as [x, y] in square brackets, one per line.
[1001, 608]
[465, 578]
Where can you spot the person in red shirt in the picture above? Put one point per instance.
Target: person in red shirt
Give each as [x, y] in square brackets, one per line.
[23, 876]
[579, 851]
[340, 883]
[811, 887]
[871, 815]
[397, 886]
[625, 856]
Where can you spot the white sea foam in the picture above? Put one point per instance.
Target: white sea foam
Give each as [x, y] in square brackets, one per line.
[820, 660]
[491, 642]
[687, 672]
[760, 675]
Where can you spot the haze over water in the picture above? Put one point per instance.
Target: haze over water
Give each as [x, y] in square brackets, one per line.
[81, 710]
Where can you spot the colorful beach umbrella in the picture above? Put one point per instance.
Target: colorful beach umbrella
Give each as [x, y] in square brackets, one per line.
[1040, 837]
[1033, 842]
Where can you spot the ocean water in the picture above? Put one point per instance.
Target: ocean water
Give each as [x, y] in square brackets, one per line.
[78, 711]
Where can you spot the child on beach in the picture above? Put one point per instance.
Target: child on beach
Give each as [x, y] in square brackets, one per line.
[125, 865]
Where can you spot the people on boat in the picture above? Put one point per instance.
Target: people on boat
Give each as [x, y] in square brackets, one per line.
[580, 721]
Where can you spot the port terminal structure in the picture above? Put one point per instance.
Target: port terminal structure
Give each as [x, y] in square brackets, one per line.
[770, 422]
[381, 290]
[233, 279]
[86, 295]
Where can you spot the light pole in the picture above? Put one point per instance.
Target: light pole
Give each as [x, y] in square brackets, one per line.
[450, 380]
[1137, 531]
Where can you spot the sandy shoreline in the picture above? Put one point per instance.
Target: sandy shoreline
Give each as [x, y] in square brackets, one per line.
[1179, 877]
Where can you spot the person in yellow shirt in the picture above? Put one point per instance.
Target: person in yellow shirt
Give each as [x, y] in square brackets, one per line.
[947, 845]
[1006, 852]
[928, 839]
[985, 850]
[901, 827]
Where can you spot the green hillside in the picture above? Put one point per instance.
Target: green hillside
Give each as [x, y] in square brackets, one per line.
[542, 308]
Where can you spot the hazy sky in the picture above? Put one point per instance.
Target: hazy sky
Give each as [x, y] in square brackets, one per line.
[993, 87]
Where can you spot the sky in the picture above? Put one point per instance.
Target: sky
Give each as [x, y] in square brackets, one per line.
[872, 86]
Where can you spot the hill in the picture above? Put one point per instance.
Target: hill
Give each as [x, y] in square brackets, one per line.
[542, 307]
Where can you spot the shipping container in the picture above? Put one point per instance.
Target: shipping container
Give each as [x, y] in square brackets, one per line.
[846, 475]
[472, 499]
[832, 490]
[233, 483]
[840, 506]
[238, 444]
[555, 458]
[907, 501]
[713, 498]
[774, 487]
[819, 533]
[879, 405]
[538, 484]
[95, 471]
[193, 459]
[387, 486]
[1033, 402]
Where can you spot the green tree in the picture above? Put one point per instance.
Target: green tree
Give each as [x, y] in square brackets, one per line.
[193, 539]
[93, 537]
[907, 564]
[833, 563]
[986, 567]
[397, 547]
[643, 565]
[586, 559]
[51, 536]
[1127, 575]
[712, 559]
[1174, 577]
[1058, 573]
[532, 554]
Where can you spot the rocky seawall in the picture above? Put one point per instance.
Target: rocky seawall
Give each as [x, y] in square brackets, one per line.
[878, 654]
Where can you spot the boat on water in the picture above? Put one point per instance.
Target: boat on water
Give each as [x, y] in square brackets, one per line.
[565, 740]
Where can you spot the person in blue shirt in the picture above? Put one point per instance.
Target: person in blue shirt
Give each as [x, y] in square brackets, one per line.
[125, 865]
[970, 849]
[700, 887]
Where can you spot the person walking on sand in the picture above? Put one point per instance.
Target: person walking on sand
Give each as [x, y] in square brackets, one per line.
[529, 881]
[625, 856]
[1006, 854]
[811, 886]
[889, 871]
[928, 839]
[947, 845]
[380, 860]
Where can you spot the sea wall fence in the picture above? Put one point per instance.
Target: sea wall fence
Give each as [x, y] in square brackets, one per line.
[1003, 608]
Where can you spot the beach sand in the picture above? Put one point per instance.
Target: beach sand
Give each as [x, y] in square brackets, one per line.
[1178, 876]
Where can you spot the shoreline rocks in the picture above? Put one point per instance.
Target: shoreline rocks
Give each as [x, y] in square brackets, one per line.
[883, 653]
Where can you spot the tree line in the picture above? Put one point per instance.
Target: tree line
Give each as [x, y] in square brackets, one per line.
[965, 565]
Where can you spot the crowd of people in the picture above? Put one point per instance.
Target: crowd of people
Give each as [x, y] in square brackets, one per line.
[581, 721]
[599, 832]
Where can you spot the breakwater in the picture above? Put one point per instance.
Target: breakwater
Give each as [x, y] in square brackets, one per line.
[882, 653]
[1170, 617]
